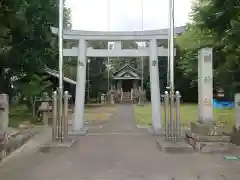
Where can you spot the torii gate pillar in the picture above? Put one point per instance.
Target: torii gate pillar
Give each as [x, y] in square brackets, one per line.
[155, 89]
[78, 121]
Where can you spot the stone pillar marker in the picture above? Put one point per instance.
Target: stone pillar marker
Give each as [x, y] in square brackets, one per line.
[237, 107]
[155, 89]
[4, 112]
[204, 135]
[78, 121]
[112, 98]
[205, 85]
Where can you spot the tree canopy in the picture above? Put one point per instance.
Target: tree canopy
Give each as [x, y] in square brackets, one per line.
[216, 24]
[27, 45]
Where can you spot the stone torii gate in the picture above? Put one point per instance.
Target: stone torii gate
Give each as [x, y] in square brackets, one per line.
[82, 52]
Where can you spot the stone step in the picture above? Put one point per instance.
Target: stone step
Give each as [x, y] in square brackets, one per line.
[127, 100]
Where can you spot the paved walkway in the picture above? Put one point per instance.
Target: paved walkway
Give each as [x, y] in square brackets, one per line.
[117, 151]
[122, 122]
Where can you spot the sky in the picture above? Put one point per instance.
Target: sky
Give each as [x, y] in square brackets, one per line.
[125, 15]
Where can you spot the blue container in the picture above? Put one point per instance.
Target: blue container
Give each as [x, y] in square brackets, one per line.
[222, 104]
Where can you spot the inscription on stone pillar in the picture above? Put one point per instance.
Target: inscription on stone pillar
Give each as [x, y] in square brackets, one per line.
[154, 63]
[81, 64]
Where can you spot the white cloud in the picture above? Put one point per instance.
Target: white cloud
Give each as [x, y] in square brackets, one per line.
[126, 14]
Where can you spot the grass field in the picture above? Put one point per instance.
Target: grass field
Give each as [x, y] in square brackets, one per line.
[188, 113]
[20, 113]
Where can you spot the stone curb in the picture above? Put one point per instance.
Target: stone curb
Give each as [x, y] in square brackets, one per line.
[10, 144]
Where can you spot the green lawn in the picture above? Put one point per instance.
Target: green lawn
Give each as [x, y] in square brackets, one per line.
[18, 114]
[188, 113]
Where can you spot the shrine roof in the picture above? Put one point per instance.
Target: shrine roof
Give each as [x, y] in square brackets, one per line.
[55, 73]
[126, 72]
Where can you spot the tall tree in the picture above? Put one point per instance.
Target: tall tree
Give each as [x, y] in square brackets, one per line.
[27, 44]
[223, 18]
[215, 24]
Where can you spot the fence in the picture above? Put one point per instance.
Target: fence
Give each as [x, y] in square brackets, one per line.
[60, 116]
[173, 130]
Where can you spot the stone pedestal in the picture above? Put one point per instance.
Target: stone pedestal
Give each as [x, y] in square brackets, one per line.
[207, 137]
[141, 98]
[235, 137]
[174, 146]
[44, 109]
[111, 98]
[204, 129]
[45, 118]
[56, 144]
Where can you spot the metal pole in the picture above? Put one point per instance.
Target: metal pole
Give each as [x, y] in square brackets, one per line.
[171, 115]
[58, 122]
[108, 28]
[172, 45]
[177, 95]
[171, 65]
[142, 45]
[66, 115]
[60, 41]
[54, 118]
[169, 45]
[166, 114]
[88, 77]
[60, 116]
[169, 68]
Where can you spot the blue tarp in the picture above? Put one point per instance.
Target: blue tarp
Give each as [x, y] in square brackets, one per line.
[222, 104]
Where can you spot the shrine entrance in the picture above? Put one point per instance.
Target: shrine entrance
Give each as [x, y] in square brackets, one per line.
[155, 46]
[126, 78]
[127, 85]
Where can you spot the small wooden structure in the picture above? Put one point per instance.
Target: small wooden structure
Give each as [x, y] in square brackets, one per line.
[68, 84]
[126, 78]
[126, 85]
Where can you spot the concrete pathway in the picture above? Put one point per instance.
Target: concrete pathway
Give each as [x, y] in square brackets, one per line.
[122, 122]
[118, 151]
